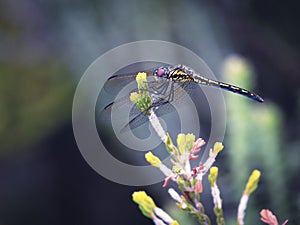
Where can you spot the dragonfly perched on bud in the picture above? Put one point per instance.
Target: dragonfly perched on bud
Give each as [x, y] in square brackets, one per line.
[165, 85]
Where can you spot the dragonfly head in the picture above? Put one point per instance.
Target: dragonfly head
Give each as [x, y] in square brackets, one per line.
[161, 72]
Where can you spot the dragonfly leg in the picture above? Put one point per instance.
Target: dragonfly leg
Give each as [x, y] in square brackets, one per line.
[171, 95]
[160, 90]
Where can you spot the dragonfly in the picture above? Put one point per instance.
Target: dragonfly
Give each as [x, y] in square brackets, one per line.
[166, 84]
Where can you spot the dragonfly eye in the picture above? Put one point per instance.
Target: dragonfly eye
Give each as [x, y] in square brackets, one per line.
[160, 72]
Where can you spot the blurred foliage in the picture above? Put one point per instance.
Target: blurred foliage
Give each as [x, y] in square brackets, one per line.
[36, 92]
[34, 100]
[255, 141]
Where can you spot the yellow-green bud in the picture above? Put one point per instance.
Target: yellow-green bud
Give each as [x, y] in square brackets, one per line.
[142, 81]
[181, 142]
[169, 144]
[190, 139]
[252, 182]
[134, 97]
[213, 174]
[152, 159]
[145, 203]
[185, 142]
[218, 146]
[142, 98]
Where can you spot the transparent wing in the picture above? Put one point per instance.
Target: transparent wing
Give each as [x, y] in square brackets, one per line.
[153, 84]
[176, 92]
[135, 122]
[138, 118]
[116, 82]
[161, 104]
[163, 93]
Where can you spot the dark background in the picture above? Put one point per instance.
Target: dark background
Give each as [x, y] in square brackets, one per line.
[45, 47]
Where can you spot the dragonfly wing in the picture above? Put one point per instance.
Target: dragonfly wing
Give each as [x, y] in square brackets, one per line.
[119, 103]
[164, 108]
[125, 100]
[135, 122]
[116, 82]
[182, 90]
[162, 92]
[139, 118]
[176, 92]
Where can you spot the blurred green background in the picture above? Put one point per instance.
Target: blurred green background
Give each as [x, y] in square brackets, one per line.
[45, 46]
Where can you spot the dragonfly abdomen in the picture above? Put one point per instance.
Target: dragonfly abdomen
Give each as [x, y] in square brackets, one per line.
[228, 87]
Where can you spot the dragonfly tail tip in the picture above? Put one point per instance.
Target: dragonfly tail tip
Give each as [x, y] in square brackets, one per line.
[259, 99]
